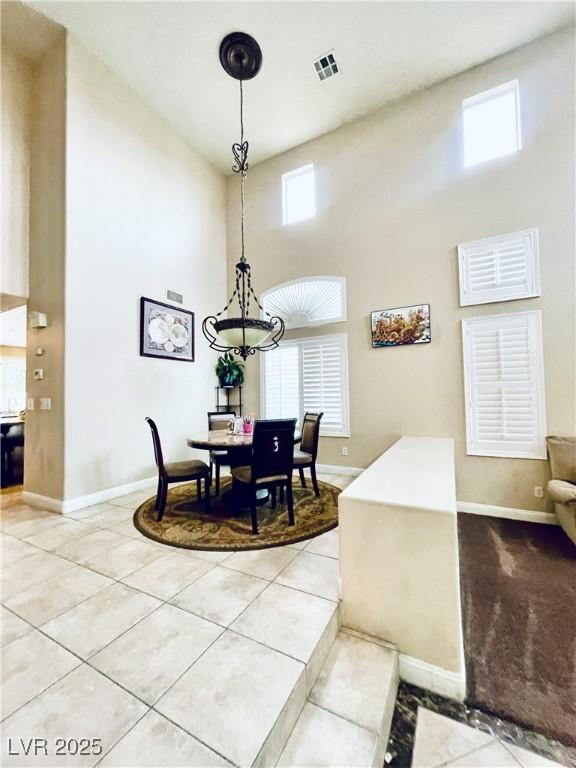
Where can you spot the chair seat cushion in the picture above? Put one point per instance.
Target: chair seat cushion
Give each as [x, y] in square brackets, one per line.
[244, 474]
[301, 458]
[187, 469]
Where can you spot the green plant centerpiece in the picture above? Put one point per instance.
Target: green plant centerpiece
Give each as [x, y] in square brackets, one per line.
[229, 371]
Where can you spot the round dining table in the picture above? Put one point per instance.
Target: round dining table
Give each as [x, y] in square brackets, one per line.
[239, 454]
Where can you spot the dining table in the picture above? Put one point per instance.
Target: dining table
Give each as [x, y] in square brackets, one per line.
[239, 449]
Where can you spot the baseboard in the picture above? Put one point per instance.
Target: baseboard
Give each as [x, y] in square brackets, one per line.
[79, 502]
[432, 678]
[335, 469]
[528, 515]
[36, 500]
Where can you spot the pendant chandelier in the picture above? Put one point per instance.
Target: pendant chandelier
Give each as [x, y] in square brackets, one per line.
[241, 58]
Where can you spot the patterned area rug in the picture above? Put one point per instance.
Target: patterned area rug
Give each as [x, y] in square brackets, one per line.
[221, 529]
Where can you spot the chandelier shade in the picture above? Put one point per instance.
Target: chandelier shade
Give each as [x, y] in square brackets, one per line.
[241, 58]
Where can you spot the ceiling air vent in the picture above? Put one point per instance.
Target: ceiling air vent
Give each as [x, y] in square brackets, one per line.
[326, 66]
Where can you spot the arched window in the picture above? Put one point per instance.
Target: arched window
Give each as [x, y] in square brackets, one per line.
[307, 301]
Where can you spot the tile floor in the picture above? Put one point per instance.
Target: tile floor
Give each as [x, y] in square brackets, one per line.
[109, 636]
[441, 741]
[133, 646]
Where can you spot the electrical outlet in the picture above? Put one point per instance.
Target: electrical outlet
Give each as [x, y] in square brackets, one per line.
[38, 374]
[45, 403]
[344, 450]
[30, 404]
[538, 491]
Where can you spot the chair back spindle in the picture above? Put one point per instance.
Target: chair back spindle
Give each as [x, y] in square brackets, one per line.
[157, 445]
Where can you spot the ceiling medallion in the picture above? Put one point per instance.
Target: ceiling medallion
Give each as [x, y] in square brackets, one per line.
[241, 58]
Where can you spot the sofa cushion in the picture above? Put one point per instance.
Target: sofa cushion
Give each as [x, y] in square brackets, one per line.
[562, 451]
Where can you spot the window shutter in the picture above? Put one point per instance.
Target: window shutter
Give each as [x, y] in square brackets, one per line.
[324, 382]
[499, 268]
[281, 383]
[308, 375]
[504, 383]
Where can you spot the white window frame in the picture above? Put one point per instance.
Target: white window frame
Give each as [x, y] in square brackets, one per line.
[303, 170]
[340, 318]
[343, 340]
[497, 293]
[512, 86]
[504, 450]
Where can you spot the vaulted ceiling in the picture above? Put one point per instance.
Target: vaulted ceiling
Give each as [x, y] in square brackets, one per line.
[168, 52]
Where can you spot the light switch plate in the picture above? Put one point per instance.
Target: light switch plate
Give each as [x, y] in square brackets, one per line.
[38, 374]
[30, 404]
[45, 403]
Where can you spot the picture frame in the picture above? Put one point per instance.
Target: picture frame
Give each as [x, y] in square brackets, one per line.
[401, 326]
[166, 331]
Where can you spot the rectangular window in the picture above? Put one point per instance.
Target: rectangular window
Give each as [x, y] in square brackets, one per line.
[499, 268]
[491, 124]
[298, 195]
[504, 386]
[308, 375]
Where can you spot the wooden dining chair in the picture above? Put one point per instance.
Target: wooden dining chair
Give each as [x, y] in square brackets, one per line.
[177, 472]
[272, 463]
[219, 420]
[306, 455]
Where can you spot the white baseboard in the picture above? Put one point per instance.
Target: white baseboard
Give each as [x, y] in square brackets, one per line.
[432, 678]
[528, 515]
[79, 502]
[36, 500]
[335, 469]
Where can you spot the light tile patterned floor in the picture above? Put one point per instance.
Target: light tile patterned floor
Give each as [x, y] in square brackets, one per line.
[441, 741]
[108, 636]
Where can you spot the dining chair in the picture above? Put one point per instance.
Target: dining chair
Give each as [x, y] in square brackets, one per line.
[177, 472]
[306, 455]
[272, 464]
[219, 420]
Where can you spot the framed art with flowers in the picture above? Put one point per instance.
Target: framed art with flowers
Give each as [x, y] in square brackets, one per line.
[166, 331]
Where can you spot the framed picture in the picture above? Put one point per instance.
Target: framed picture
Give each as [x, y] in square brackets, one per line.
[400, 326]
[166, 331]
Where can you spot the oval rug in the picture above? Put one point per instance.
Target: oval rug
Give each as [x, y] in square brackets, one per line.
[221, 531]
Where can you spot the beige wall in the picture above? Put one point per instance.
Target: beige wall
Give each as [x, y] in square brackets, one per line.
[44, 448]
[393, 203]
[144, 214]
[16, 125]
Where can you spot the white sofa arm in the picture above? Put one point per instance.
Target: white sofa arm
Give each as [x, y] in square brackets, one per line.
[562, 492]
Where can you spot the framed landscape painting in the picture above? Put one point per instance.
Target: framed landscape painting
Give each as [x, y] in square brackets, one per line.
[166, 331]
[400, 326]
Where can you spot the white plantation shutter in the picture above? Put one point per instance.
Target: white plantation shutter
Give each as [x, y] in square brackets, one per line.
[324, 382]
[499, 268]
[281, 382]
[504, 383]
[308, 375]
[307, 301]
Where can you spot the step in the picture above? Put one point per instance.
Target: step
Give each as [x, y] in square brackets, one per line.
[347, 717]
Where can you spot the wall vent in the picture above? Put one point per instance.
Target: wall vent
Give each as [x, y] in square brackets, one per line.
[173, 296]
[325, 66]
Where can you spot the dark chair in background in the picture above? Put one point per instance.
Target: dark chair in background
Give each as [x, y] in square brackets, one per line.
[272, 463]
[12, 450]
[176, 472]
[219, 420]
[306, 456]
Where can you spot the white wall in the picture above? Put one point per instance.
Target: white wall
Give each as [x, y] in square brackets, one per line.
[144, 214]
[393, 202]
[16, 126]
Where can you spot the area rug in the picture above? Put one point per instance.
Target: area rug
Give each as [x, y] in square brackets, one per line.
[518, 585]
[220, 530]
